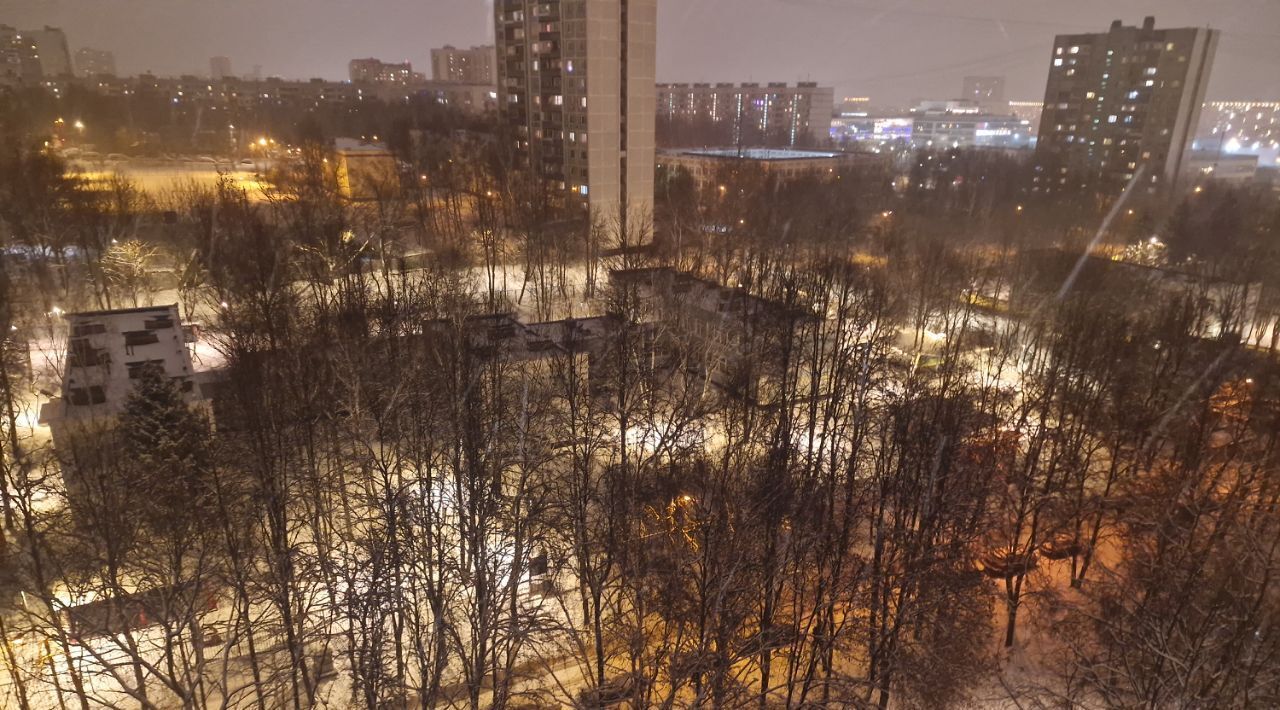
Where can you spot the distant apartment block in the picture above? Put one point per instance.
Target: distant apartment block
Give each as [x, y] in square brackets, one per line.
[52, 50]
[234, 94]
[19, 59]
[95, 62]
[465, 66]
[376, 71]
[774, 114]
[576, 89]
[1123, 103]
[220, 68]
[31, 56]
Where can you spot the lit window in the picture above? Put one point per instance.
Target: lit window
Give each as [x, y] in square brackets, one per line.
[1071, 72]
[1058, 50]
[1075, 50]
[1090, 95]
[1057, 62]
[1168, 47]
[1151, 71]
[1111, 118]
[1133, 94]
[1151, 82]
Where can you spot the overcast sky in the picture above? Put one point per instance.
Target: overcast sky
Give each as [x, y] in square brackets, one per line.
[892, 50]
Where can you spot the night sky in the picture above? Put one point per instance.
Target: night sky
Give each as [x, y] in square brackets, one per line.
[892, 50]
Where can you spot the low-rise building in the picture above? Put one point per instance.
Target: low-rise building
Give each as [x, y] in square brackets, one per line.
[1202, 166]
[707, 164]
[105, 353]
[734, 339]
[941, 124]
[365, 170]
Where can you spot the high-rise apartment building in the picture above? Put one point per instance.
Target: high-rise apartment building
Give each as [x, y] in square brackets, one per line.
[750, 114]
[376, 71]
[33, 55]
[95, 62]
[986, 91]
[19, 61]
[51, 46]
[1122, 103]
[465, 66]
[220, 68]
[576, 87]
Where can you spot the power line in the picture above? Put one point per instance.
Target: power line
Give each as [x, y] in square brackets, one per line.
[899, 9]
[949, 66]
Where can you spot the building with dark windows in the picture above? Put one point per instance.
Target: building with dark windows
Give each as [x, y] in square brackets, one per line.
[19, 60]
[465, 66]
[220, 68]
[576, 88]
[30, 56]
[52, 50]
[95, 62]
[105, 353]
[1122, 103]
[773, 114]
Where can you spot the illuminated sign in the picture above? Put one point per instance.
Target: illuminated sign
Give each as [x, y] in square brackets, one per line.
[889, 128]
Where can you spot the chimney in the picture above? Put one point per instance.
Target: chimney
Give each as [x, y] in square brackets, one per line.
[1148, 23]
[1116, 24]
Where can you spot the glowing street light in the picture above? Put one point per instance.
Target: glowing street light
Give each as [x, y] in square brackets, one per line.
[262, 142]
[79, 125]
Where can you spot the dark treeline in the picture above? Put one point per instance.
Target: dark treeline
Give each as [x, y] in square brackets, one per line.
[884, 466]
